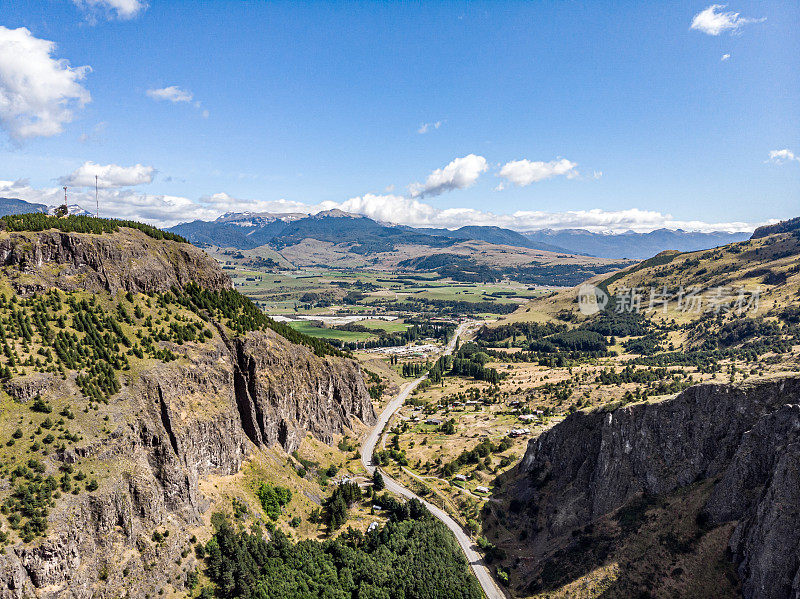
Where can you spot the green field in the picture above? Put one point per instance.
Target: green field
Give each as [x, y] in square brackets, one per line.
[384, 325]
[313, 331]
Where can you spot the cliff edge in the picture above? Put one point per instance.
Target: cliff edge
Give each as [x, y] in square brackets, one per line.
[743, 439]
[136, 371]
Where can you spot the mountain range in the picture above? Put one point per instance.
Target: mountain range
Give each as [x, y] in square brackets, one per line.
[248, 230]
[629, 244]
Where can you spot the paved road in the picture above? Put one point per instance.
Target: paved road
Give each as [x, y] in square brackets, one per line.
[487, 582]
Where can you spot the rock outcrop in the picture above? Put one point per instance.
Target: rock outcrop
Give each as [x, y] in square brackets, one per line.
[171, 424]
[747, 436]
[177, 423]
[128, 260]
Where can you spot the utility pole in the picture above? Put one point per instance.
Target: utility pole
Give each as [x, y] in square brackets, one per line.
[96, 201]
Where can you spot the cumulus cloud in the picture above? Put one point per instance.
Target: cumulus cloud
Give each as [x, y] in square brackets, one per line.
[166, 210]
[388, 208]
[111, 9]
[459, 174]
[425, 127]
[38, 93]
[222, 202]
[524, 172]
[782, 156]
[173, 94]
[409, 211]
[714, 21]
[160, 210]
[108, 175]
[725, 57]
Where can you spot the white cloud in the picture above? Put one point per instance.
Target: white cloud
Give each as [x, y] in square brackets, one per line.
[408, 211]
[782, 156]
[222, 202]
[713, 21]
[459, 174]
[108, 175]
[725, 57]
[388, 208]
[525, 172]
[160, 210]
[111, 9]
[38, 93]
[173, 94]
[425, 127]
[166, 210]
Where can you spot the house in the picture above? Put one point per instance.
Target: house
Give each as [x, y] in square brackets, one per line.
[527, 417]
[460, 477]
[482, 490]
[433, 421]
[372, 527]
[518, 432]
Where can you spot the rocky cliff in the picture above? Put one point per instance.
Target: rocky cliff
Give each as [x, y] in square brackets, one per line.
[744, 438]
[171, 424]
[128, 260]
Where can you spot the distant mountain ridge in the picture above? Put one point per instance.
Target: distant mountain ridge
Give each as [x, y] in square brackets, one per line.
[491, 234]
[251, 230]
[16, 206]
[633, 245]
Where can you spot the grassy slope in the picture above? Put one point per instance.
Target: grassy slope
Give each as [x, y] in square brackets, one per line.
[746, 263]
[665, 553]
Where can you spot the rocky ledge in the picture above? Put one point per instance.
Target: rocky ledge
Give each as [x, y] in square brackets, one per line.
[128, 260]
[746, 437]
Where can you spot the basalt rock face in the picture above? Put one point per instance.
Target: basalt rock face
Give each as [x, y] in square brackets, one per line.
[128, 260]
[747, 436]
[177, 423]
[171, 425]
[266, 379]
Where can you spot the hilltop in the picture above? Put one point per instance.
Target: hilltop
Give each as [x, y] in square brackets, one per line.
[766, 264]
[140, 394]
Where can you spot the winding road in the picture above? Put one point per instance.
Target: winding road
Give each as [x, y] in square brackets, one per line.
[487, 582]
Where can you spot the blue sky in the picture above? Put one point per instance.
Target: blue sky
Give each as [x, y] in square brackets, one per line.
[562, 114]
